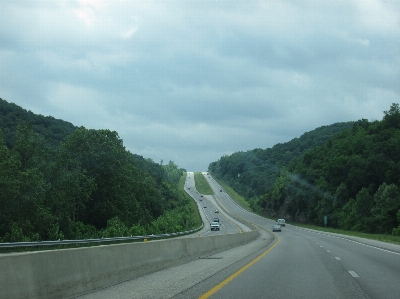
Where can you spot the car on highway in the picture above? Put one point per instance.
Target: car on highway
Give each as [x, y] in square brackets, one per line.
[216, 211]
[215, 225]
[281, 222]
[276, 228]
[216, 219]
[205, 206]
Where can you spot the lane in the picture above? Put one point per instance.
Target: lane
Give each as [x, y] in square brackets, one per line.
[303, 264]
[295, 268]
[314, 264]
[375, 268]
[208, 206]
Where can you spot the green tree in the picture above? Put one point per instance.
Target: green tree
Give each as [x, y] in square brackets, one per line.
[387, 204]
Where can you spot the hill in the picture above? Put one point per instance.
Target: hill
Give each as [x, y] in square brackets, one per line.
[60, 181]
[11, 115]
[352, 178]
[253, 172]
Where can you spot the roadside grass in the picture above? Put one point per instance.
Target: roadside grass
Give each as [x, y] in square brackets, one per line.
[195, 221]
[201, 184]
[378, 237]
[236, 197]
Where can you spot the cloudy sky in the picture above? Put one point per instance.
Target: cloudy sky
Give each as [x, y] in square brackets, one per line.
[192, 80]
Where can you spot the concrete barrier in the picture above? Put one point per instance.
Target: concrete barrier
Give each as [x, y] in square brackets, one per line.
[70, 272]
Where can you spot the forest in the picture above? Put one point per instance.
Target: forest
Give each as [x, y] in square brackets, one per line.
[350, 174]
[253, 172]
[59, 181]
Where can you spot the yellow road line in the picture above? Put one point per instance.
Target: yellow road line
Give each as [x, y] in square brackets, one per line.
[237, 273]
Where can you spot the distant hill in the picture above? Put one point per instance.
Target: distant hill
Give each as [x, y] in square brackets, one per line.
[252, 173]
[347, 173]
[54, 130]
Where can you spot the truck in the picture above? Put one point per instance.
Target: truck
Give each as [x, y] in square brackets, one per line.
[281, 222]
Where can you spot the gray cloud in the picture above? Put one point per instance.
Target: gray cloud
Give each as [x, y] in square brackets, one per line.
[190, 81]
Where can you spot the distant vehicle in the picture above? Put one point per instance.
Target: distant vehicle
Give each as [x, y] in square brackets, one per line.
[276, 228]
[201, 195]
[201, 199]
[205, 206]
[281, 222]
[216, 219]
[216, 211]
[189, 188]
[215, 225]
[220, 190]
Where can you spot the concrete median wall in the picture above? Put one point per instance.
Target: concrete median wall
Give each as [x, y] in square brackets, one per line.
[70, 272]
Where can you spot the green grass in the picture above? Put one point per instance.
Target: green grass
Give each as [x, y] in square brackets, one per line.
[232, 193]
[201, 184]
[196, 218]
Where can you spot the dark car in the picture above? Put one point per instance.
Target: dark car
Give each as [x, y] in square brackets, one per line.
[216, 219]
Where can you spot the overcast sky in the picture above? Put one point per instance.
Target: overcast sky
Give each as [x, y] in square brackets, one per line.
[191, 81]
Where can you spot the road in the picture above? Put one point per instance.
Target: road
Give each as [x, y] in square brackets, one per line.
[294, 263]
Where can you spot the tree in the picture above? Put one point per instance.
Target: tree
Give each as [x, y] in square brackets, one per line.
[387, 204]
[392, 117]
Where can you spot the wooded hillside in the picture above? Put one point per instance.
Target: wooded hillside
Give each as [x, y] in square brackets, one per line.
[253, 172]
[58, 181]
[353, 178]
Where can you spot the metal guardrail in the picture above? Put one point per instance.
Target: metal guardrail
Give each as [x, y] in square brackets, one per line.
[92, 241]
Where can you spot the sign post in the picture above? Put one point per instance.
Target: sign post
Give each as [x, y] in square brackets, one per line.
[325, 220]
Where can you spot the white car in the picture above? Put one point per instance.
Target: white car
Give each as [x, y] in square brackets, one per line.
[276, 228]
[215, 225]
[281, 222]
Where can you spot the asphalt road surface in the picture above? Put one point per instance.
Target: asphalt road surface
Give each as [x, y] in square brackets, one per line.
[293, 263]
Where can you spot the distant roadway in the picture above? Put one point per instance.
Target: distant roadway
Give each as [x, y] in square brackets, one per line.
[294, 263]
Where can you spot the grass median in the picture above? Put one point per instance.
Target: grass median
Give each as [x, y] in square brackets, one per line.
[201, 184]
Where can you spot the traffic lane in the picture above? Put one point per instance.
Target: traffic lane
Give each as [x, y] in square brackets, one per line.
[226, 213]
[232, 205]
[188, 280]
[226, 226]
[239, 211]
[376, 270]
[376, 283]
[207, 210]
[227, 203]
[295, 268]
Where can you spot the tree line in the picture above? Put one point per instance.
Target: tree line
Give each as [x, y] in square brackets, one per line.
[80, 183]
[353, 178]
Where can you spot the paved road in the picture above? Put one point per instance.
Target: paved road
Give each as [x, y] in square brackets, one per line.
[295, 263]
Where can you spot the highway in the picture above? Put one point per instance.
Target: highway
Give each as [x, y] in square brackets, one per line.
[294, 263]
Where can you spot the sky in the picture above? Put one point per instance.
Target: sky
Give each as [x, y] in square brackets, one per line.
[190, 81]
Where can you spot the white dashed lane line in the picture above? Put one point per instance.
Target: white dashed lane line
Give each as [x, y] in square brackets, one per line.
[346, 239]
[354, 274]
